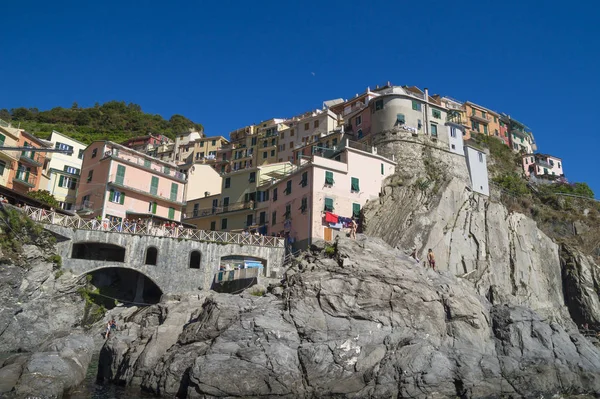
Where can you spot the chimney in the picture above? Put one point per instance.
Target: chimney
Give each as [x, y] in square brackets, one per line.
[426, 94]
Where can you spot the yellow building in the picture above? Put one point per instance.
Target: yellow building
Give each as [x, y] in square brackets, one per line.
[267, 133]
[482, 120]
[9, 137]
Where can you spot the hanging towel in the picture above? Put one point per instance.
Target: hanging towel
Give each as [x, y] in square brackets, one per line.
[336, 226]
[331, 217]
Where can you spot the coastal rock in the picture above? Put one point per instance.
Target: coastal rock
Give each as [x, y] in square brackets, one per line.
[380, 326]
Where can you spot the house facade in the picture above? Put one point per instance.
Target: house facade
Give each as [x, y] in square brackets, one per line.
[520, 137]
[476, 159]
[9, 137]
[63, 170]
[27, 175]
[483, 121]
[542, 165]
[120, 183]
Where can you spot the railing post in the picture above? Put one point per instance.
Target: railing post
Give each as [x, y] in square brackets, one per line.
[52, 217]
[79, 223]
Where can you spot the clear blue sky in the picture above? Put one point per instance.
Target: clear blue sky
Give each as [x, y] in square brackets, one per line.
[227, 64]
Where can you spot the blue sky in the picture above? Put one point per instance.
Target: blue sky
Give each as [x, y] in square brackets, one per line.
[227, 64]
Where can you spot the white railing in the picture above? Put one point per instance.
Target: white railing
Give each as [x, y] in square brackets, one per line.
[125, 227]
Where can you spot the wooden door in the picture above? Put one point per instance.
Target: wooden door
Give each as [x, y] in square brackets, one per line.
[327, 234]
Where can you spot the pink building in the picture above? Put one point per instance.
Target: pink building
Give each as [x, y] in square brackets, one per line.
[542, 165]
[118, 183]
[337, 187]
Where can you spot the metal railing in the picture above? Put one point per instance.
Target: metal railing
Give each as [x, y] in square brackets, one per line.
[126, 227]
[26, 177]
[237, 274]
[33, 157]
[236, 206]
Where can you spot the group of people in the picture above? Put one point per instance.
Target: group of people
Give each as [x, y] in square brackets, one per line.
[111, 325]
[430, 257]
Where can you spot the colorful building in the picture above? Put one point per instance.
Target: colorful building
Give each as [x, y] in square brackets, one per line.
[483, 121]
[542, 165]
[147, 144]
[520, 136]
[63, 170]
[118, 182]
[9, 137]
[27, 175]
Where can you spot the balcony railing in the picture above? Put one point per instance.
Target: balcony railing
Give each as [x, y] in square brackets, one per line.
[27, 178]
[121, 182]
[143, 162]
[215, 210]
[543, 163]
[480, 118]
[32, 157]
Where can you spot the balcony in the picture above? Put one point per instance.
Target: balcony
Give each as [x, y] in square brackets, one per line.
[154, 166]
[26, 178]
[32, 158]
[119, 182]
[519, 133]
[480, 118]
[216, 210]
[543, 163]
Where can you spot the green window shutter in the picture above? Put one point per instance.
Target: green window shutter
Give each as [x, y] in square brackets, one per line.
[122, 199]
[167, 170]
[415, 105]
[2, 138]
[120, 174]
[147, 163]
[329, 204]
[329, 178]
[2, 166]
[485, 129]
[154, 185]
[61, 180]
[171, 213]
[111, 197]
[356, 210]
[382, 169]
[154, 208]
[355, 186]
[401, 119]
[174, 188]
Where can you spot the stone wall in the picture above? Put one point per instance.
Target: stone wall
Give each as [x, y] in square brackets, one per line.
[171, 272]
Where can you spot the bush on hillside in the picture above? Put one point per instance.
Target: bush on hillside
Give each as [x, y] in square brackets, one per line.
[513, 183]
[44, 196]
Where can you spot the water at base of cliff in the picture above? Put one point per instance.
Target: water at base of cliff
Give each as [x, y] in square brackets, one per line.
[88, 389]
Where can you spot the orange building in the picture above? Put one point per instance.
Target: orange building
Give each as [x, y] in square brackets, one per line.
[26, 175]
[484, 121]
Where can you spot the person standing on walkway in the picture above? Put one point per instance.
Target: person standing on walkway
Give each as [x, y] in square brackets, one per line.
[431, 259]
[353, 228]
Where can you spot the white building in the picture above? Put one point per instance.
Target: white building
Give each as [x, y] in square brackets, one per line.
[477, 164]
[63, 170]
[455, 138]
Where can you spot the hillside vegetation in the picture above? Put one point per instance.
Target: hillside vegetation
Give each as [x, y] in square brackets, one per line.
[113, 120]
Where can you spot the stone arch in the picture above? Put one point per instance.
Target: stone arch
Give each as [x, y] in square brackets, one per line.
[151, 256]
[237, 259]
[195, 257]
[93, 250]
[130, 280]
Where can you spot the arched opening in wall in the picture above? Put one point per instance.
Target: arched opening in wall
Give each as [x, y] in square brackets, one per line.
[151, 256]
[238, 272]
[195, 260]
[119, 284]
[98, 251]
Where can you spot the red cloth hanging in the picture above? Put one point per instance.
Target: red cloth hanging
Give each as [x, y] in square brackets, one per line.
[331, 217]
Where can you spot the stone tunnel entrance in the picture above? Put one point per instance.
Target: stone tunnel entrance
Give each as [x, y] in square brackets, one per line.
[98, 251]
[127, 286]
[238, 272]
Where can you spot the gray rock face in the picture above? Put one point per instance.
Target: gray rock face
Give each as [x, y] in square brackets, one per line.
[56, 367]
[369, 322]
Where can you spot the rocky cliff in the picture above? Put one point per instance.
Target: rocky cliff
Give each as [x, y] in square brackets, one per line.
[356, 320]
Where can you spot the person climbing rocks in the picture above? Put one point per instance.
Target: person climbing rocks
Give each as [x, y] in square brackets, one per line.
[414, 255]
[431, 259]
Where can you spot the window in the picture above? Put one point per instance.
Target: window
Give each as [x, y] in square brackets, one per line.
[223, 224]
[151, 256]
[329, 178]
[382, 169]
[358, 120]
[433, 130]
[154, 185]
[485, 129]
[252, 177]
[292, 133]
[166, 170]
[64, 147]
[90, 175]
[334, 142]
[304, 205]
[316, 124]
[67, 182]
[120, 174]
[215, 203]
[495, 120]
[400, 119]
[288, 211]
[174, 188]
[475, 126]
[416, 106]
[483, 114]
[306, 126]
[480, 157]
[2, 138]
[264, 154]
[304, 180]
[473, 111]
[453, 132]
[253, 141]
[202, 144]
[275, 194]
[195, 258]
[227, 182]
[545, 171]
[559, 165]
[288, 187]
[272, 153]
[213, 225]
[496, 132]
[2, 167]
[94, 152]
[80, 154]
[274, 217]
[116, 196]
[354, 186]
[249, 221]
[328, 205]
[214, 142]
[226, 201]
[378, 105]
[436, 113]
[262, 218]
[72, 170]
[171, 213]
[152, 207]
[453, 146]
[356, 210]
[147, 163]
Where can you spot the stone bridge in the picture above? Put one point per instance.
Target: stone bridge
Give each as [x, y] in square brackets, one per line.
[177, 262]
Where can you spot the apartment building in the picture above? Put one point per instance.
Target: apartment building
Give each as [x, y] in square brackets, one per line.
[9, 137]
[241, 150]
[305, 129]
[118, 183]
[542, 165]
[63, 170]
[483, 121]
[205, 151]
[184, 146]
[26, 176]
[147, 144]
[520, 136]
[267, 141]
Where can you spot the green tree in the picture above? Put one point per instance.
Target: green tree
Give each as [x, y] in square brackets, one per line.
[5, 115]
[44, 196]
[20, 113]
